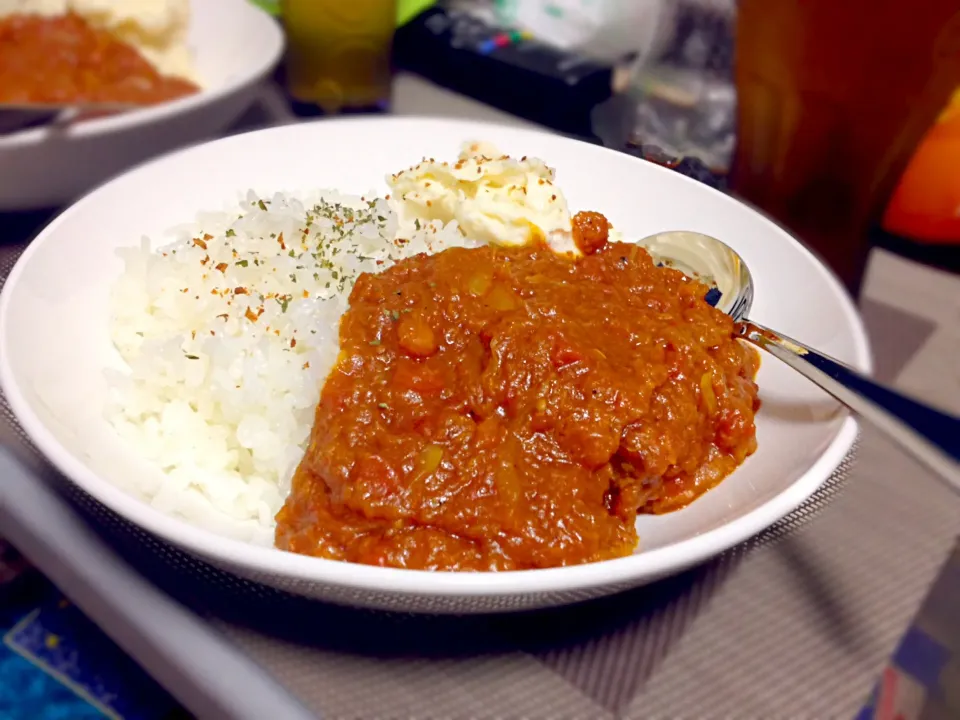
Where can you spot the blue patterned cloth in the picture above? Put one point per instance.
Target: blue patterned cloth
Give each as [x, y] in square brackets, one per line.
[922, 679]
[56, 664]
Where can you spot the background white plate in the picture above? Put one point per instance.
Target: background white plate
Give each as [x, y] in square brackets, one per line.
[54, 345]
[235, 46]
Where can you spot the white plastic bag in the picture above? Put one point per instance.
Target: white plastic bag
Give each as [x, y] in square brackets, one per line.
[604, 29]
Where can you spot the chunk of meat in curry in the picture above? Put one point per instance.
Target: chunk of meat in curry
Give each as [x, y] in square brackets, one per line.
[501, 409]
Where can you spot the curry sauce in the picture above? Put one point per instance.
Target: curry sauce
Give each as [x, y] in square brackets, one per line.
[502, 409]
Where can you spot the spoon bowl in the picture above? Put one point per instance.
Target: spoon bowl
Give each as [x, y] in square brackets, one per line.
[931, 436]
[712, 262]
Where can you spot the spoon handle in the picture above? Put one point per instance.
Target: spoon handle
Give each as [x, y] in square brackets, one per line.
[931, 436]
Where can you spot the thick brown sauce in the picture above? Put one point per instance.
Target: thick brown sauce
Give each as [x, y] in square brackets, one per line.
[63, 59]
[499, 409]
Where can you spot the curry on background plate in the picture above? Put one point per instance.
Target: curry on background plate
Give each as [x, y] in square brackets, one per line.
[66, 51]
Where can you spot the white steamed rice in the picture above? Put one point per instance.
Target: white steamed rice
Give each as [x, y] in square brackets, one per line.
[229, 331]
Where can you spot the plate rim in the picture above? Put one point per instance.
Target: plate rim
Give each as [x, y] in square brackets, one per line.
[268, 561]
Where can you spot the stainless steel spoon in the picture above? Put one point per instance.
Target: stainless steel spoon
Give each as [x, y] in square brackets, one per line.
[931, 436]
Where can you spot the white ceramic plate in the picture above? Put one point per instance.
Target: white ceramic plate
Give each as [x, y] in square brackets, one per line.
[54, 346]
[235, 45]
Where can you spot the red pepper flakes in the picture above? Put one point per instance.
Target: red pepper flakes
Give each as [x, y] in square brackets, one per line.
[306, 366]
[250, 315]
[207, 236]
[240, 291]
[185, 290]
[205, 260]
[283, 245]
[293, 342]
[199, 243]
[305, 294]
[222, 267]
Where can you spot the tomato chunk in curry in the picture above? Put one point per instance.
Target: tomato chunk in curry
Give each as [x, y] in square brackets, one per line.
[502, 409]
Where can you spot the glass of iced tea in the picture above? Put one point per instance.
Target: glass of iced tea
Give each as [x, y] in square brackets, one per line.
[338, 53]
[834, 96]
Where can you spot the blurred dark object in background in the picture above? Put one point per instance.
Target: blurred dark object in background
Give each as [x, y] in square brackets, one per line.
[833, 99]
[942, 255]
[505, 68]
[692, 167]
[680, 108]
